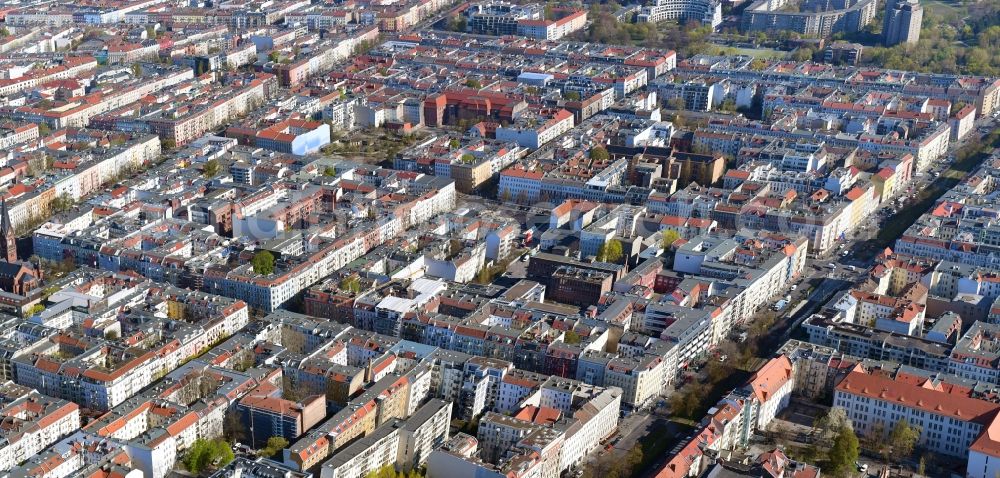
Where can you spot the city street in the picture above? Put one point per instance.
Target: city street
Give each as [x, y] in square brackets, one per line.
[292, 239]
[824, 276]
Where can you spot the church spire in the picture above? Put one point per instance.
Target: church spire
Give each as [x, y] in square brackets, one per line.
[8, 243]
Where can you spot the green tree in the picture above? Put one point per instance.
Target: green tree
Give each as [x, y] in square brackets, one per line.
[222, 453]
[273, 57]
[830, 424]
[572, 96]
[136, 69]
[351, 284]
[473, 83]
[571, 337]
[455, 247]
[633, 458]
[329, 171]
[201, 67]
[874, 441]
[263, 263]
[686, 404]
[387, 471]
[274, 446]
[210, 168]
[44, 129]
[61, 203]
[670, 236]
[458, 23]
[903, 439]
[844, 452]
[610, 251]
[232, 426]
[484, 276]
[678, 121]
[207, 453]
[599, 153]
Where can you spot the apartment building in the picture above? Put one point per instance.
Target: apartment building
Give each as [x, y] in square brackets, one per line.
[292, 136]
[128, 53]
[975, 355]
[424, 431]
[770, 390]
[99, 373]
[265, 415]
[13, 134]
[951, 420]
[97, 170]
[32, 423]
[535, 131]
[406, 444]
[642, 379]
[553, 29]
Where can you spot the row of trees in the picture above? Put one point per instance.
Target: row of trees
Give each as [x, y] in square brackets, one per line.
[834, 430]
[689, 401]
[901, 444]
[614, 465]
[488, 274]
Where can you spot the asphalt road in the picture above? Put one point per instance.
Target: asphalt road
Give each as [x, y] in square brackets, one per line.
[819, 283]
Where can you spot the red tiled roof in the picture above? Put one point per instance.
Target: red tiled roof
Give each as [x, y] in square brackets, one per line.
[954, 405]
[771, 377]
[539, 415]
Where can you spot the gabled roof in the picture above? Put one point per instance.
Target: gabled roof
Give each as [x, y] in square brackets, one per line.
[770, 378]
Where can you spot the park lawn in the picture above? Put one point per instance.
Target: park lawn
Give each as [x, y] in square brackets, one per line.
[941, 8]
